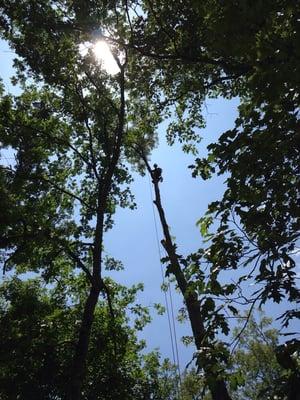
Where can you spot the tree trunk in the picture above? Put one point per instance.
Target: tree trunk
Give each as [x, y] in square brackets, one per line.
[216, 385]
[79, 362]
[104, 184]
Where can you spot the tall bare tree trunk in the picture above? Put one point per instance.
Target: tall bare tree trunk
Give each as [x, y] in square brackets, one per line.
[216, 384]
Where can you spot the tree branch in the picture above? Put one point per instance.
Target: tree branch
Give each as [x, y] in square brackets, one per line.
[80, 264]
[90, 134]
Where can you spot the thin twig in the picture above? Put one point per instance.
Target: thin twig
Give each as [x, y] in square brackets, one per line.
[236, 340]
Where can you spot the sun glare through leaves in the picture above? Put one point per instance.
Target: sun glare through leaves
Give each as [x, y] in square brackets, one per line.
[104, 55]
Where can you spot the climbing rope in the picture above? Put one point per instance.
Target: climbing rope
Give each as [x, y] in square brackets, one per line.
[168, 303]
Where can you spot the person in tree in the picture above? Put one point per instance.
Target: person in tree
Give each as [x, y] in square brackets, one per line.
[156, 174]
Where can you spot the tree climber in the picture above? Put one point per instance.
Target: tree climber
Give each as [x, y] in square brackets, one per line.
[156, 174]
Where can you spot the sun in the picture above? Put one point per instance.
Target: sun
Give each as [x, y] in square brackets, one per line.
[104, 56]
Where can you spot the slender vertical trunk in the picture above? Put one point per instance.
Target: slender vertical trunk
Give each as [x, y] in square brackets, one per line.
[78, 371]
[216, 385]
[79, 362]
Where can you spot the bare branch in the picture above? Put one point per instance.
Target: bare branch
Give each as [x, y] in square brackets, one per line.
[74, 196]
[80, 264]
[237, 339]
[57, 140]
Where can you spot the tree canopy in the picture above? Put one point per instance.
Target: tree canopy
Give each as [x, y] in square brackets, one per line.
[38, 336]
[76, 129]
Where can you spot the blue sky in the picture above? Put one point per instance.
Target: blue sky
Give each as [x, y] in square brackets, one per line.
[133, 239]
[185, 199]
